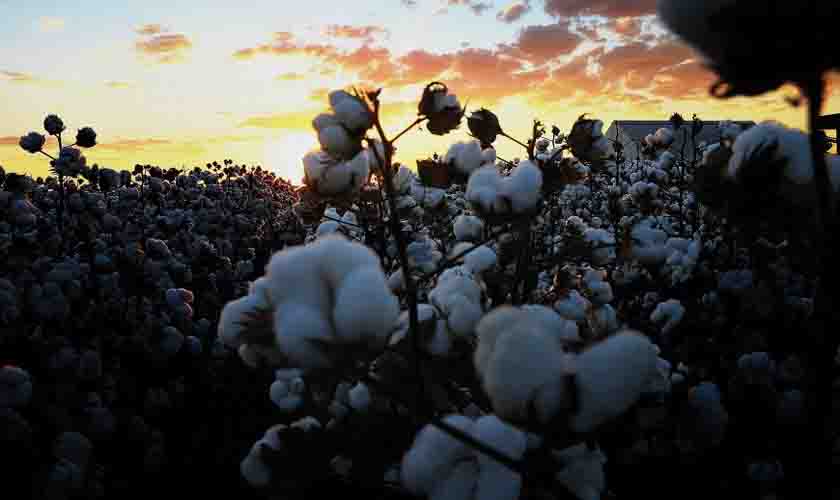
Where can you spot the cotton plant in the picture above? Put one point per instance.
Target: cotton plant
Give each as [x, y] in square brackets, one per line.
[306, 325]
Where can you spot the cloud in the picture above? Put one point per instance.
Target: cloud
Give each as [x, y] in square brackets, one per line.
[636, 64]
[367, 33]
[293, 120]
[477, 6]
[133, 144]
[609, 8]
[117, 84]
[10, 140]
[18, 77]
[163, 47]
[290, 77]
[50, 24]
[409, 3]
[541, 43]
[514, 11]
[150, 29]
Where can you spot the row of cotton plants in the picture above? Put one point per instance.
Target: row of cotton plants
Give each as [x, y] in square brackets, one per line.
[539, 327]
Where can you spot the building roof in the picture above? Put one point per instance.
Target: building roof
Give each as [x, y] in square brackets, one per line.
[634, 131]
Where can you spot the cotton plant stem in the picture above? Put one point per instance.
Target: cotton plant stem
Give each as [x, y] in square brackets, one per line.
[385, 165]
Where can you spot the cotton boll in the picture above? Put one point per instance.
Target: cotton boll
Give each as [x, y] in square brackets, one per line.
[432, 454]
[300, 332]
[480, 260]
[583, 471]
[565, 330]
[360, 397]
[460, 482]
[465, 156]
[709, 418]
[671, 312]
[327, 227]
[495, 480]
[520, 365]
[573, 306]
[287, 395]
[233, 315]
[523, 187]
[610, 377]
[463, 315]
[350, 110]
[15, 387]
[364, 305]
[333, 258]
[483, 188]
[468, 228]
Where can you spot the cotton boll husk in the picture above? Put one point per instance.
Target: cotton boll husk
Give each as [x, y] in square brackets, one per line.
[364, 305]
[432, 454]
[497, 481]
[468, 228]
[299, 330]
[523, 187]
[610, 377]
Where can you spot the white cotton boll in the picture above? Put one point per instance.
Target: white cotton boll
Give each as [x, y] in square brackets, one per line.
[671, 312]
[301, 266]
[459, 484]
[396, 281]
[287, 395]
[404, 180]
[233, 314]
[360, 398]
[327, 227]
[523, 187]
[463, 315]
[15, 387]
[664, 137]
[583, 471]
[336, 256]
[565, 330]
[600, 292]
[254, 470]
[299, 331]
[710, 417]
[483, 187]
[610, 377]
[432, 455]
[336, 141]
[481, 259]
[603, 244]
[603, 321]
[793, 149]
[573, 306]
[520, 365]
[325, 120]
[465, 156]
[364, 306]
[350, 110]
[468, 228]
[172, 341]
[495, 480]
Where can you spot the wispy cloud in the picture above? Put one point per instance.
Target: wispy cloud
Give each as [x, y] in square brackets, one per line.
[477, 6]
[117, 84]
[163, 47]
[18, 77]
[514, 11]
[50, 24]
[9, 140]
[367, 33]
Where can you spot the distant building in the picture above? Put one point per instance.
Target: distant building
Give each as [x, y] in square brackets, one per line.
[631, 133]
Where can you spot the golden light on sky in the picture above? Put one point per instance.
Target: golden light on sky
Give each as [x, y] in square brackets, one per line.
[186, 83]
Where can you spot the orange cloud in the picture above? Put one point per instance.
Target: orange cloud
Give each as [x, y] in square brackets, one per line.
[166, 48]
[10, 140]
[513, 12]
[133, 144]
[609, 8]
[150, 29]
[355, 32]
[539, 44]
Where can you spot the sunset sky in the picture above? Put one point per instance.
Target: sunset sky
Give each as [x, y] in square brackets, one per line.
[188, 82]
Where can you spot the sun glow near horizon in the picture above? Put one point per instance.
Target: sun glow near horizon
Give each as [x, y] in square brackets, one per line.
[283, 155]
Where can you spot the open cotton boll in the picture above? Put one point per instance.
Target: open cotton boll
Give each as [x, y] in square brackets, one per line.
[603, 244]
[792, 148]
[583, 471]
[481, 259]
[364, 306]
[404, 180]
[572, 306]
[350, 111]
[483, 188]
[648, 243]
[565, 330]
[468, 228]
[233, 316]
[432, 455]
[15, 387]
[423, 255]
[523, 187]
[521, 365]
[610, 377]
[171, 342]
[334, 258]
[468, 156]
[287, 394]
[301, 333]
[671, 312]
[495, 480]
[709, 418]
[360, 397]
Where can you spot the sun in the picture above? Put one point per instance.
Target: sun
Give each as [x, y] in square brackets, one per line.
[283, 155]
